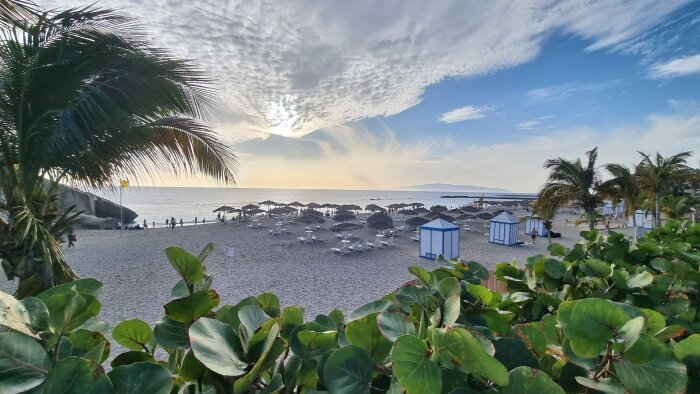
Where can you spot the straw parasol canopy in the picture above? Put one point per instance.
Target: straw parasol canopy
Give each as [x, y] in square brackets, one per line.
[344, 216]
[313, 205]
[485, 216]
[455, 211]
[349, 207]
[402, 205]
[328, 205]
[466, 216]
[311, 212]
[416, 205]
[440, 215]
[232, 210]
[380, 221]
[281, 211]
[249, 207]
[374, 208]
[269, 203]
[407, 212]
[469, 208]
[222, 208]
[416, 221]
[296, 204]
[255, 211]
[421, 210]
[310, 219]
[438, 208]
[341, 227]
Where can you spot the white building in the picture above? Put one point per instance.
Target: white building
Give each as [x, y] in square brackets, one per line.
[537, 223]
[644, 220]
[439, 237]
[617, 211]
[504, 229]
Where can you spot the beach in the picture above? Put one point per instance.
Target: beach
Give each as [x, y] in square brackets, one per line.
[138, 278]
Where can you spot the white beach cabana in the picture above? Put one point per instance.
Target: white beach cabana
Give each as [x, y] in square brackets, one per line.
[537, 223]
[503, 229]
[617, 210]
[439, 237]
[644, 220]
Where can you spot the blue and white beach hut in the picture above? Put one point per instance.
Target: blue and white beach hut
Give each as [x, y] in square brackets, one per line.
[439, 237]
[644, 220]
[617, 210]
[504, 229]
[537, 223]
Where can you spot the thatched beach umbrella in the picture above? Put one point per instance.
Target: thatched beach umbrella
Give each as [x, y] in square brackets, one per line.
[281, 210]
[310, 219]
[311, 212]
[342, 227]
[455, 211]
[407, 212]
[222, 208]
[249, 207]
[344, 216]
[349, 207]
[416, 205]
[296, 204]
[438, 208]
[374, 208]
[466, 216]
[255, 211]
[269, 203]
[469, 208]
[421, 210]
[485, 216]
[313, 205]
[416, 221]
[380, 221]
[440, 215]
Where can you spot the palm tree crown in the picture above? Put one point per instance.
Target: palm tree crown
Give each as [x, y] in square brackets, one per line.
[85, 99]
[572, 182]
[658, 174]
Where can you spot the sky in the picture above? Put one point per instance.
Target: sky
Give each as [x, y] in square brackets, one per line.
[379, 95]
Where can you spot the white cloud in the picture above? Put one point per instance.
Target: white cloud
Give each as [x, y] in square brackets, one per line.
[469, 112]
[291, 67]
[676, 67]
[533, 123]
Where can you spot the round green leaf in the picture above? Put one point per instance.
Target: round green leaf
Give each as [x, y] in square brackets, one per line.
[413, 367]
[642, 279]
[14, 315]
[216, 346]
[131, 357]
[24, 363]
[133, 334]
[251, 317]
[395, 324]
[188, 266]
[590, 323]
[82, 286]
[191, 369]
[348, 371]
[688, 347]
[597, 268]
[365, 333]
[525, 380]
[295, 343]
[372, 307]
[192, 307]
[77, 375]
[38, 313]
[171, 334]
[554, 268]
[89, 344]
[660, 375]
[141, 377]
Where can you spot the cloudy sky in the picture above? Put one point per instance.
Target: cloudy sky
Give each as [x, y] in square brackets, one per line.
[383, 94]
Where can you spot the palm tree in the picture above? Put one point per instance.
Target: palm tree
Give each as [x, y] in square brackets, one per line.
[571, 182]
[623, 186]
[85, 100]
[658, 175]
[547, 213]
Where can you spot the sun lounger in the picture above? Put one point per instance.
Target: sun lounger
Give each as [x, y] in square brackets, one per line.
[335, 250]
[416, 238]
[370, 245]
[316, 239]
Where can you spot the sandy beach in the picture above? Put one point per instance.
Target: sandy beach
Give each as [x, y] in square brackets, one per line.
[137, 277]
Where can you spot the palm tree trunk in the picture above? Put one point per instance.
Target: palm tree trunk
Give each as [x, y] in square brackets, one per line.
[657, 212]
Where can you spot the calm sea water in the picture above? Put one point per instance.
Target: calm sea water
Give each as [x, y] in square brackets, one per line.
[158, 203]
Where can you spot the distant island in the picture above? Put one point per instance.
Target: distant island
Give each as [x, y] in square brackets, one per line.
[446, 187]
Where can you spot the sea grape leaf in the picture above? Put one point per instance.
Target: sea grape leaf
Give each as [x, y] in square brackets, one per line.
[554, 268]
[24, 364]
[83, 286]
[450, 287]
[295, 343]
[76, 375]
[590, 323]
[480, 293]
[131, 357]
[629, 333]
[133, 334]
[14, 315]
[171, 334]
[89, 344]
[450, 310]
[597, 268]
[604, 385]
[242, 385]
[251, 318]
[411, 295]
[525, 380]
[229, 313]
[348, 370]
[270, 303]
[659, 375]
[317, 343]
[191, 369]
[365, 334]
[395, 324]
[512, 353]
[188, 266]
[413, 367]
[371, 307]
[641, 279]
[688, 347]
[141, 377]
[426, 278]
[192, 307]
[215, 344]
[38, 313]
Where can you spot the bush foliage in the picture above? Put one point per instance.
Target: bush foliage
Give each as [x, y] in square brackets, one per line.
[605, 316]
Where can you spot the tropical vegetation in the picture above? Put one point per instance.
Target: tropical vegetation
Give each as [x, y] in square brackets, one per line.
[604, 316]
[85, 100]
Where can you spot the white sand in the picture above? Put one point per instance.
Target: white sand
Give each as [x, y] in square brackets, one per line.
[137, 276]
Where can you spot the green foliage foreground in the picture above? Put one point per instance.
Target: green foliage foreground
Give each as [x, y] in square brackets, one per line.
[604, 316]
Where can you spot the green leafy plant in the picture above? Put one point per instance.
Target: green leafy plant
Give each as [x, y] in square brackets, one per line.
[603, 316]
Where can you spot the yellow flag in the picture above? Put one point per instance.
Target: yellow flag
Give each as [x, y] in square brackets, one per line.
[124, 183]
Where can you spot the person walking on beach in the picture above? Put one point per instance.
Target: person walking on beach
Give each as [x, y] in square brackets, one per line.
[195, 220]
[180, 222]
[533, 234]
[167, 222]
[153, 225]
[172, 222]
[204, 220]
[145, 225]
[218, 217]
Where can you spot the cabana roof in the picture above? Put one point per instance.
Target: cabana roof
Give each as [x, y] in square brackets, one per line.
[505, 217]
[439, 224]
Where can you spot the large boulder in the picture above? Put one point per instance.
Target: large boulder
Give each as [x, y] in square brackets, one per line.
[92, 205]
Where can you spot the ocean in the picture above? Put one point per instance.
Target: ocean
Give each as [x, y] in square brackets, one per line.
[158, 203]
